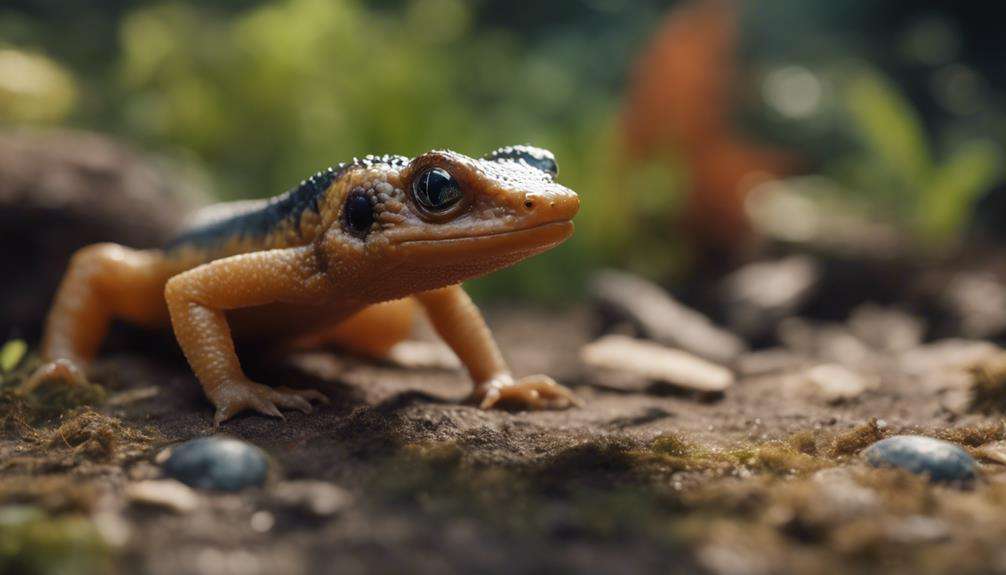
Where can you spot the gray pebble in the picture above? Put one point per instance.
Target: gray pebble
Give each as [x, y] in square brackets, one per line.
[940, 460]
[217, 463]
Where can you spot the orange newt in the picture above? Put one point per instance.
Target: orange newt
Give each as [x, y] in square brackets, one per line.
[345, 259]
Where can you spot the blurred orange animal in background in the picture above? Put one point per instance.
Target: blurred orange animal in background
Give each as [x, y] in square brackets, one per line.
[681, 96]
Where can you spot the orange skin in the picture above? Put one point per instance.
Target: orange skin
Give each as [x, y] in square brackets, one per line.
[311, 279]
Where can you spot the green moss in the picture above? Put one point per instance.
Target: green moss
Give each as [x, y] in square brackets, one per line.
[20, 413]
[782, 458]
[974, 435]
[856, 439]
[32, 542]
[804, 442]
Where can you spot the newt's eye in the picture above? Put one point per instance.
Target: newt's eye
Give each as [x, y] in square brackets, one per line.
[436, 191]
[358, 213]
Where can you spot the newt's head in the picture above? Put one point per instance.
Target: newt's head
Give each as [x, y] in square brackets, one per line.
[449, 217]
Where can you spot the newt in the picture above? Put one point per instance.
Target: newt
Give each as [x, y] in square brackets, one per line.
[346, 259]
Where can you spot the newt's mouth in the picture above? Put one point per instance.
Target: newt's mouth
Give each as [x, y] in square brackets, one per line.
[530, 240]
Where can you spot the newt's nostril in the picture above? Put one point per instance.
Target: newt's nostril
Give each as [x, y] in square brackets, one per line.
[529, 204]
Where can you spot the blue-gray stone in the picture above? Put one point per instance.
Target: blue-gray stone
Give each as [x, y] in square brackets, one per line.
[941, 461]
[217, 463]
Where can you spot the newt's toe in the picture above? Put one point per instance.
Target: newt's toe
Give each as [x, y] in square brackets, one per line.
[61, 370]
[246, 395]
[534, 392]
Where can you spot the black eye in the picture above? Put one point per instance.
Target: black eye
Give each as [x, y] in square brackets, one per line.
[436, 191]
[358, 213]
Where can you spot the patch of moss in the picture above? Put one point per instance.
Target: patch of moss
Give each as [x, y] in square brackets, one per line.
[856, 439]
[672, 444]
[20, 413]
[16, 415]
[777, 457]
[804, 441]
[98, 437]
[52, 493]
[31, 543]
[974, 435]
[988, 386]
[782, 458]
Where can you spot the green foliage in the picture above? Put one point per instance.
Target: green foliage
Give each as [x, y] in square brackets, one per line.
[11, 355]
[896, 165]
[890, 129]
[32, 542]
[955, 185]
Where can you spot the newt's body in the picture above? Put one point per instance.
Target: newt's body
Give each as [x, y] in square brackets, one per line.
[328, 263]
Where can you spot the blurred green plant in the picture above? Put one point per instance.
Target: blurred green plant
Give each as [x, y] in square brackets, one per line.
[34, 88]
[33, 542]
[896, 163]
[11, 355]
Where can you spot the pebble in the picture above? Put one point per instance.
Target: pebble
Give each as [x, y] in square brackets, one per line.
[660, 317]
[217, 463]
[994, 452]
[835, 383]
[759, 295]
[163, 493]
[940, 460]
[653, 361]
[948, 355]
[317, 497]
[887, 329]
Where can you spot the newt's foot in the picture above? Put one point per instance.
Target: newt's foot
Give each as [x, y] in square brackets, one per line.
[233, 398]
[534, 392]
[62, 370]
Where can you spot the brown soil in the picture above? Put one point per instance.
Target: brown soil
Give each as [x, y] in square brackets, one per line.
[765, 479]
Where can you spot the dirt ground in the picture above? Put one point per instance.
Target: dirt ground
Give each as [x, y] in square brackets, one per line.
[764, 479]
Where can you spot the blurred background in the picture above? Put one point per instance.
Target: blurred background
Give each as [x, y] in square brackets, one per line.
[699, 134]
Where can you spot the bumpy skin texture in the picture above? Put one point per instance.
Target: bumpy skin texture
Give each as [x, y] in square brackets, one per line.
[345, 259]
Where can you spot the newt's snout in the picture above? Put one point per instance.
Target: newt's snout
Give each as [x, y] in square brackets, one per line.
[543, 207]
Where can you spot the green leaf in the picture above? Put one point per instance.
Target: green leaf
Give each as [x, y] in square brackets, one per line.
[889, 126]
[955, 185]
[11, 354]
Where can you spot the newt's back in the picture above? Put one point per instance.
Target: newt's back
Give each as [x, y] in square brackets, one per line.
[237, 227]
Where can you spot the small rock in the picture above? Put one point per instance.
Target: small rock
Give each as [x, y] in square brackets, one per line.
[163, 493]
[769, 361]
[835, 383]
[917, 530]
[761, 294]
[842, 496]
[948, 355]
[940, 460]
[994, 452]
[655, 362]
[658, 316]
[826, 341]
[886, 329]
[976, 304]
[217, 463]
[318, 497]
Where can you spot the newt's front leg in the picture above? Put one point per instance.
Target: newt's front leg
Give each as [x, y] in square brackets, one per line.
[459, 323]
[197, 300]
[103, 281]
